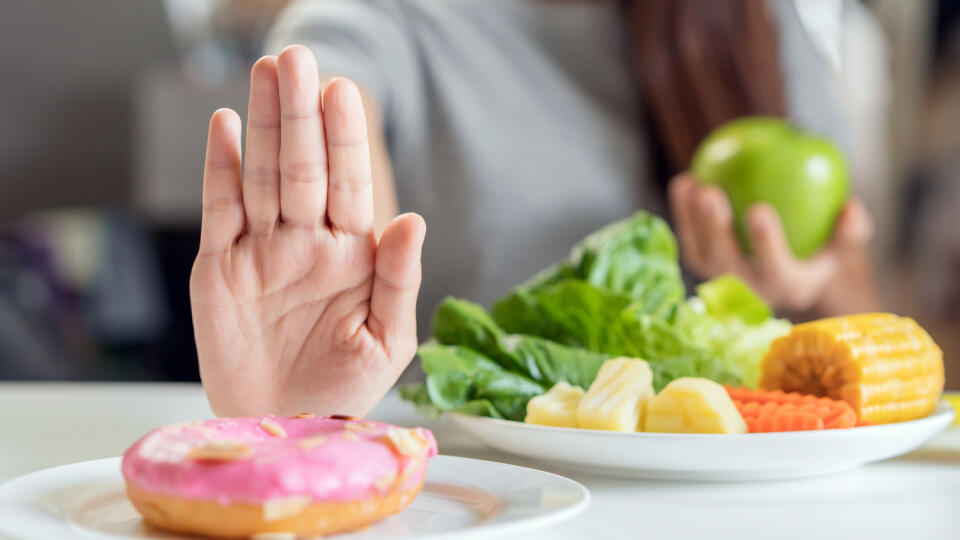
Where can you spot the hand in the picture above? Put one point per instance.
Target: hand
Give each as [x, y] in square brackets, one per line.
[709, 247]
[296, 305]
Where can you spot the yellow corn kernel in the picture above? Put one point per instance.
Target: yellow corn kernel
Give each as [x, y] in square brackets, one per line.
[886, 367]
[693, 405]
[617, 399]
[558, 407]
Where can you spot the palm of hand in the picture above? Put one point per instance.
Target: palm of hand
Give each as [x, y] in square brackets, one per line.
[295, 309]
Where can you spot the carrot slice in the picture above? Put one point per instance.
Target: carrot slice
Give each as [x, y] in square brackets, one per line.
[775, 410]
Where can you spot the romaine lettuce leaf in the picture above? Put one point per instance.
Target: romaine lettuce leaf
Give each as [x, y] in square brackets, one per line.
[571, 311]
[461, 379]
[636, 257]
[459, 322]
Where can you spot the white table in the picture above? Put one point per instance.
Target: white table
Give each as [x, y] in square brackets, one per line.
[916, 497]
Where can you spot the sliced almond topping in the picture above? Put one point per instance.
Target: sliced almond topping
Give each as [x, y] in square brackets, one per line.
[408, 442]
[274, 536]
[301, 416]
[343, 417]
[360, 426]
[284, 507]
[385, 481]
[348, 436]
[222, 450]
[310, 442]
[273, 428]
[411, 467]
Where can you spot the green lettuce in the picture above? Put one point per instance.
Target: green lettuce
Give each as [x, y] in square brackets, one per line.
[463, 323]
[571, 311]
[577, 314]
[635, 257]
[732, 322]
[462, 380]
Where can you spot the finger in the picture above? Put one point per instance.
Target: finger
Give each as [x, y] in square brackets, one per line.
[854, 227]
[722, 253]
[303, 159]
[393, 301]
[708, 216]
[350, 189]
[680, 191]
[773, 255]
[261, 169]
[797, 284]
[222, 219]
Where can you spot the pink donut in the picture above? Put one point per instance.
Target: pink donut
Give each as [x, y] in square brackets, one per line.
[301, 475]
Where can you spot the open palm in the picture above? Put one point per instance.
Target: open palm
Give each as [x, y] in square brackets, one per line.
[296, 305]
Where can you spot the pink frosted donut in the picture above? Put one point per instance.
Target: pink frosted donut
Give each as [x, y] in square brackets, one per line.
[301, 475]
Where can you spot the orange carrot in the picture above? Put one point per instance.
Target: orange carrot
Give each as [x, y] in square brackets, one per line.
[775, 410]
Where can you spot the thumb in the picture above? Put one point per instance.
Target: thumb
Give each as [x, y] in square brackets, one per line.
[393, 301]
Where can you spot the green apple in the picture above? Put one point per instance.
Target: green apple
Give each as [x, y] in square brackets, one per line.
[762, 159]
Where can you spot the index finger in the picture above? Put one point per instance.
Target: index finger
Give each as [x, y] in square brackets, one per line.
[773, 255]
[680, 191]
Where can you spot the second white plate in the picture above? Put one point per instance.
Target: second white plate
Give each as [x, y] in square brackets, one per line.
[462, 499]
[675, 456]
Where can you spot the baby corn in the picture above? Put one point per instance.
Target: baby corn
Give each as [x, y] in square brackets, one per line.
[617, 399]
[558, 407]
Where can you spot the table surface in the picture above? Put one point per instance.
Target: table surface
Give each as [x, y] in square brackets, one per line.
[916, 496]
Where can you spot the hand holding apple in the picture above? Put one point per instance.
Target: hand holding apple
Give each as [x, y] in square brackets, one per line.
[764, 159]
[709, 247]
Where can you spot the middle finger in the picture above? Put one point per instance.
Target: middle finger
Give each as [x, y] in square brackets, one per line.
[719, 248]
[303, 158]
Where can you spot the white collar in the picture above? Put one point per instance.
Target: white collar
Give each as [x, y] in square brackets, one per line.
[823, 22]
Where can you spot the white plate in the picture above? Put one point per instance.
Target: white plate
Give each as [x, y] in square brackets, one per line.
[675, 456]
[461, 499]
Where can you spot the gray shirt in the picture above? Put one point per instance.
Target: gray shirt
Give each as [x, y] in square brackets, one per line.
[513, 125]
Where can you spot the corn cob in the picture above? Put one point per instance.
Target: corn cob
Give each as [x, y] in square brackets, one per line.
[558, 407]
[617, 399]
[886, 367]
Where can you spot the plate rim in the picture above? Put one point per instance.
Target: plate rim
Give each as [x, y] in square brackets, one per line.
[942, 412]
[473, 532]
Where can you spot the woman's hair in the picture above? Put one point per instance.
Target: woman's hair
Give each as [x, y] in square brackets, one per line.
[700, 63]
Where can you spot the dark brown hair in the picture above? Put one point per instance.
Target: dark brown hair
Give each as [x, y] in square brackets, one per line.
[700, 63]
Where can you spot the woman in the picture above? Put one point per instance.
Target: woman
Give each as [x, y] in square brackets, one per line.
[515, 127]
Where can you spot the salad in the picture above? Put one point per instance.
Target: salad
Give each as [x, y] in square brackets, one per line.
[608, 339]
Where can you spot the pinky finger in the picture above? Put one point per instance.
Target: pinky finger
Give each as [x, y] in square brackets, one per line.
[222, 220]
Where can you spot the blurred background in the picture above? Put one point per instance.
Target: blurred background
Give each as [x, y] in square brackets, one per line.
[103, 116]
